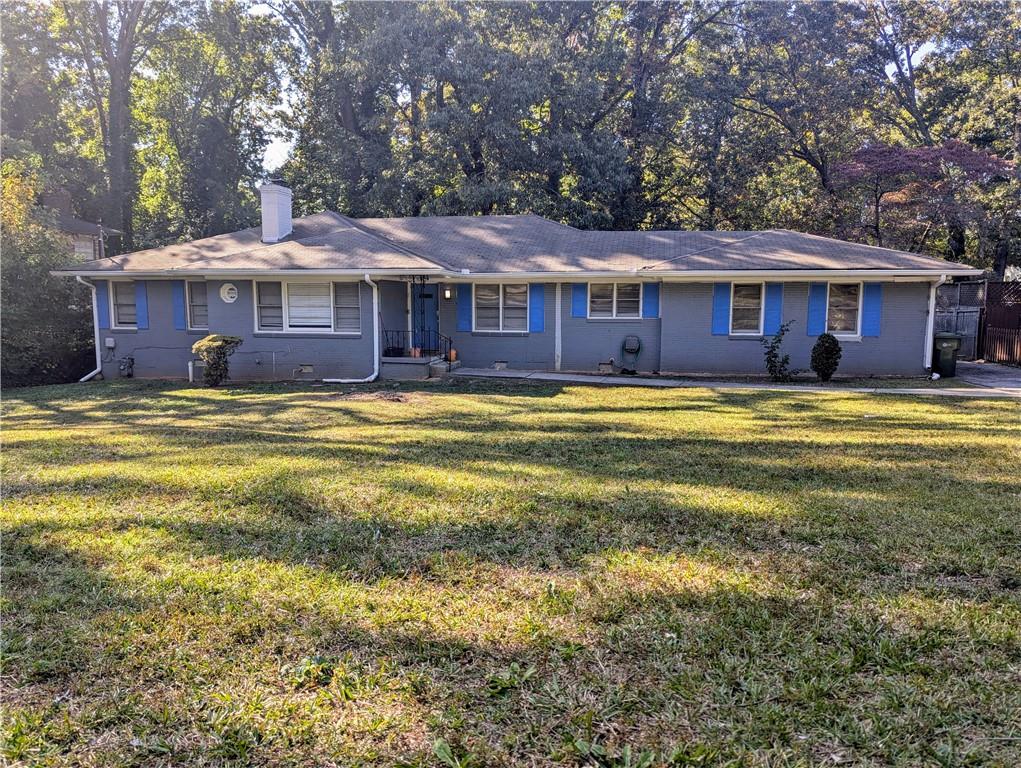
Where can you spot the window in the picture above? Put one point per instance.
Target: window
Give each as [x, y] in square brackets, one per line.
[614, 300]
[347, 307]
[308, 307]
[746, 308]
[270, 306]
[842, 308]
[198, 306]
[122, 294]
[501, 307]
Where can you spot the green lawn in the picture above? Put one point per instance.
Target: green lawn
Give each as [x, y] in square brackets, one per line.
[479, 573]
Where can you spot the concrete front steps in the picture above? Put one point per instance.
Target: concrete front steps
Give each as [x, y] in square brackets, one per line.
[413, 368]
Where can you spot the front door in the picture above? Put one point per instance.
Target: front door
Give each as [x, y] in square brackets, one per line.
[425, 306]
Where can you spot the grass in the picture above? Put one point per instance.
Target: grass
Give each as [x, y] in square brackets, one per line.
[810, 380]
[481, 573]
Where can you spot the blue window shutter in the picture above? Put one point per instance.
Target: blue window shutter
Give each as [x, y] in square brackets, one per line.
[721, 309]
[773, 312]
[816, 325]
[650, 300]
[464, 307]
[103, 304]
[871, 308]
[141, 305]
[177, 298]
[536, 308]
[579, 300]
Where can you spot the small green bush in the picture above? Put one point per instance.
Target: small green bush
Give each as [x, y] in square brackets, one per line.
[826, 356]
[214, 350]
[778, 366]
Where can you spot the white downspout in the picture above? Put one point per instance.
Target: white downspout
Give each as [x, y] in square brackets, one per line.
[375, 341]
[557, 342]
[95, 328]
[930, 322]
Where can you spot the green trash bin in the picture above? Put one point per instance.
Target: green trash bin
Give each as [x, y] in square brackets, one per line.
[944, 353]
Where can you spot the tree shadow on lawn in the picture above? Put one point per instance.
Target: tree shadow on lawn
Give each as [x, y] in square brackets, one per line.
[776, 640]
[818, 536]
[656, 668]
[897, 471]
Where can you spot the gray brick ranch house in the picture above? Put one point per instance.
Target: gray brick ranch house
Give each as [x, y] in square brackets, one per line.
[331, 297]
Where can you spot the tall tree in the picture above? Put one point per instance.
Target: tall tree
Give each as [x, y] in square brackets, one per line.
[109, 40]
[204, 109]
[800, 72]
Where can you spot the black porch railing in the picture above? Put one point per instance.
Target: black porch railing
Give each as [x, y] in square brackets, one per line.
[423, 343]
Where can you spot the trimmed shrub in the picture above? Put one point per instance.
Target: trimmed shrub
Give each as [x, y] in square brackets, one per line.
[778, 366]
[826, 356]
[214, 350]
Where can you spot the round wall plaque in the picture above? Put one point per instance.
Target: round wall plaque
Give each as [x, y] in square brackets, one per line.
[229, 292]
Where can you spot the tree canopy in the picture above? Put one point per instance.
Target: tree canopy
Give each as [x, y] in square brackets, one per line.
[892, 123]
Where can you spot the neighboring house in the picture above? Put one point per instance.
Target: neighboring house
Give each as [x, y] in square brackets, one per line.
[88, 240]
[338, 298]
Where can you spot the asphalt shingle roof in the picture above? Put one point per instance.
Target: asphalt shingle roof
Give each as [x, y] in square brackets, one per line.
[321, 241]
[508, 244]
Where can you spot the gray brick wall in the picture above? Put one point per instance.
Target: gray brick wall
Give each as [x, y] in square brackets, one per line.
[690, 347]
[163, 352]
[681, 341]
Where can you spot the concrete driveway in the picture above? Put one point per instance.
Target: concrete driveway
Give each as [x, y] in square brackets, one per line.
[989, 375]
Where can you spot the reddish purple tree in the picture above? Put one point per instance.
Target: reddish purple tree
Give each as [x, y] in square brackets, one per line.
[928, 183]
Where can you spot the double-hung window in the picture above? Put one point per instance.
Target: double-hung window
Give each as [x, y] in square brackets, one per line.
[746, 308]
[302, 307]
[198, 306]
[269, 306]
[501, 307]
[611, 300]
[843, 308]
[347, 307]
[122, 297]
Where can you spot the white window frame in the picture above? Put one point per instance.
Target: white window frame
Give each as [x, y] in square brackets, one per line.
[113, 308]
[615, 316]
[528, 308]
[333, 306]
[762, 310]
[331, 331]
[861, 295]
[187, 303]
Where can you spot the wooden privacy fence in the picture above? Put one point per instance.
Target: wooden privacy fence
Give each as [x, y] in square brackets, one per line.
[1003, 345]
[1001, 339]
[959, 309]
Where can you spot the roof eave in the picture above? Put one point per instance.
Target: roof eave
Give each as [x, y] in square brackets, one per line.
[240, 273]
[789, 275]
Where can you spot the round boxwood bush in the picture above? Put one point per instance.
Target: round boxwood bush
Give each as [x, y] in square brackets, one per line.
[213, 350]
[826, 356]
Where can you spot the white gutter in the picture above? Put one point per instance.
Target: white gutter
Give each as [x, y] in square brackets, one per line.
[375, 341]
[691, 276]
[95, 327]
[930, 321]
[239, 274]
[687, 275]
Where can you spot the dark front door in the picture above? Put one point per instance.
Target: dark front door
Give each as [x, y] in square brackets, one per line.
[424, 316]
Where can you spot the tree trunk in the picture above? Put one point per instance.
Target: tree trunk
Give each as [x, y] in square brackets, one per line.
[121, 204]
[1000, 254]
[955, 240]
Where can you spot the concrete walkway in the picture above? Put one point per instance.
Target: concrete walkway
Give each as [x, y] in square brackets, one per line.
[989, 375]
[641, 381]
